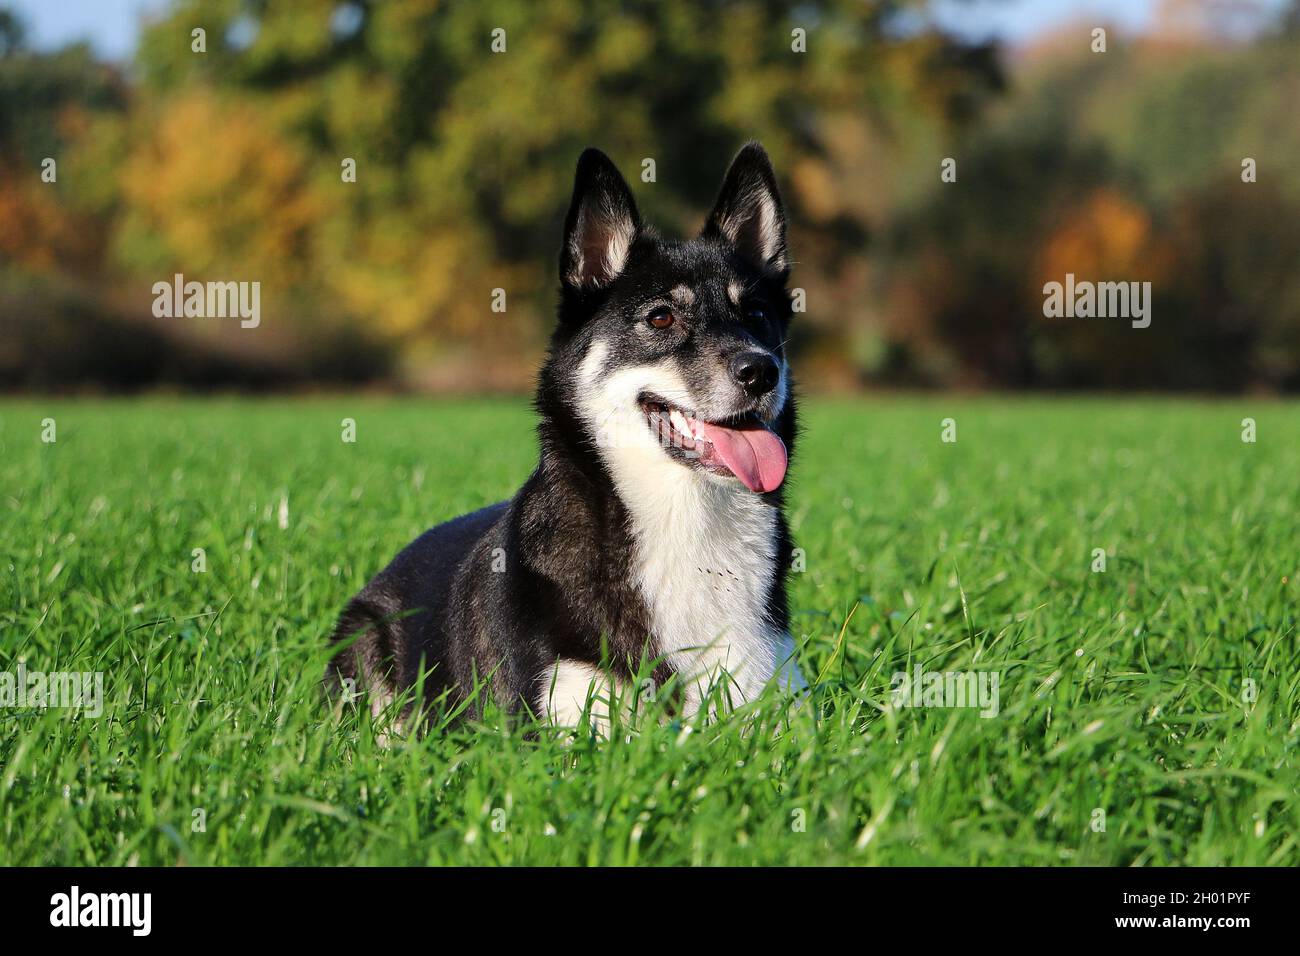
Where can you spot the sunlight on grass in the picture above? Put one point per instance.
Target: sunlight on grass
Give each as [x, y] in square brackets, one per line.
[1147, 715]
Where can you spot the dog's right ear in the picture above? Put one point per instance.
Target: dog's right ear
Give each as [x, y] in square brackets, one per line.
[601, 225]
[749, 214]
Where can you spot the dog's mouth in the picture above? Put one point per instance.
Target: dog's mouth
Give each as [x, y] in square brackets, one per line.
[742, 446]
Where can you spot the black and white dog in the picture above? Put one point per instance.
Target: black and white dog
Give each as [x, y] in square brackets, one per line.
[652, 528]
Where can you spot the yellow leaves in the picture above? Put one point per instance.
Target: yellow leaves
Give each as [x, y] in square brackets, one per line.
[221, 189]
[359, 106]
[421, 291]
[432, 285]
[399, 29]
[623, 45]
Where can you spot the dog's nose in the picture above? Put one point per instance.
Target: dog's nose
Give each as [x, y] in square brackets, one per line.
[756, 372]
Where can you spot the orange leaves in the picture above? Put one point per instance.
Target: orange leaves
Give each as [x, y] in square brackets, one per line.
[40, 233]
[1104, 237]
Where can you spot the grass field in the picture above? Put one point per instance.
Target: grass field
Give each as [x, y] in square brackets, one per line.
[1147, 714]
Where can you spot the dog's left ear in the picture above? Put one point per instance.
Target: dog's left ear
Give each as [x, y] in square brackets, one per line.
[749, 214]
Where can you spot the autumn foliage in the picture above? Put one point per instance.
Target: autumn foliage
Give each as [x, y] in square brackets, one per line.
[237, 162]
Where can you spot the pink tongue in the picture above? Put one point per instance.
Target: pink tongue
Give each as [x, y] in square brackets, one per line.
[755, 455]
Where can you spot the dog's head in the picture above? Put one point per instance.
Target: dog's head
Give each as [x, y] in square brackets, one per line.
[672, 353]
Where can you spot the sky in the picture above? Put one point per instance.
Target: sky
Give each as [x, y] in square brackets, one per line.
[1017, 20]
[112, 26]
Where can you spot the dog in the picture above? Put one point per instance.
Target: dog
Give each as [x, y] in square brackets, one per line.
[652, 532]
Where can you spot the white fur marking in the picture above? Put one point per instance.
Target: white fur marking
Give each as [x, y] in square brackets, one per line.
[706, 545]
[570, 685]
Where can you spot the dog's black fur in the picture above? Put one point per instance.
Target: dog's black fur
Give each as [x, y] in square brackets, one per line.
[568, 588]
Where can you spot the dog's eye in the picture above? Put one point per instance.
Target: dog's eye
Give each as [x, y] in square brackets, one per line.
[756, 313]
[661, 318]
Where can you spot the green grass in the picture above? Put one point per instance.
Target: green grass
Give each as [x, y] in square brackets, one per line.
[1123, 691]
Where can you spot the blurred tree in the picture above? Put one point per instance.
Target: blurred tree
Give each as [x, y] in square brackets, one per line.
[1122, 168]
[11, 33]
[464, 155]
[45, 103]
[230, 164]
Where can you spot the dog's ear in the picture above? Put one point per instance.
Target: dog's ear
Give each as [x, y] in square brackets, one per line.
[601, 225]
[749, 214]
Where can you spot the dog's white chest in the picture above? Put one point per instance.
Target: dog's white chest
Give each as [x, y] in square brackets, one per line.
[705, 563]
